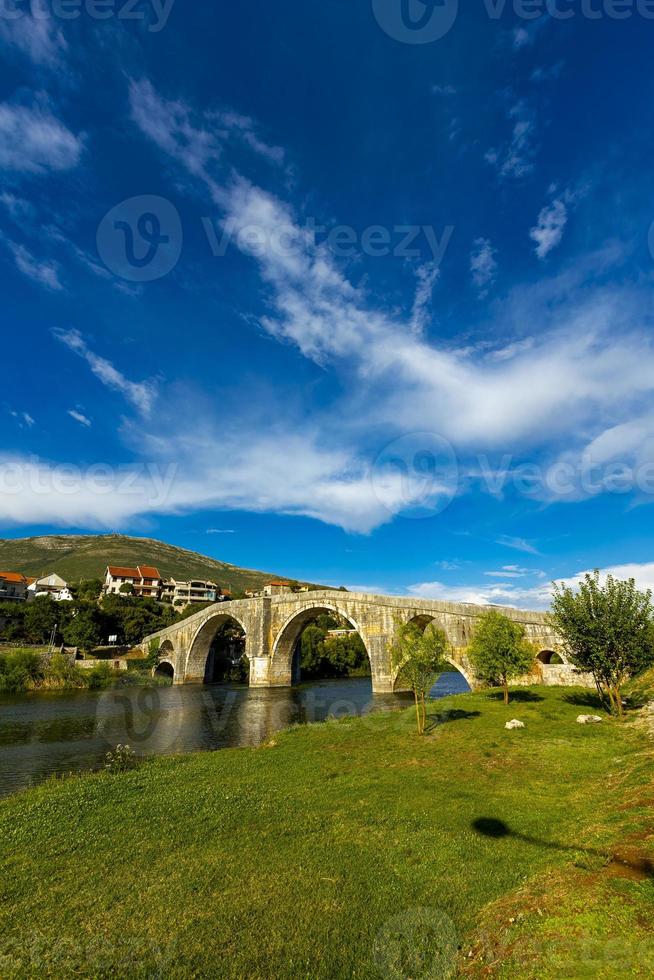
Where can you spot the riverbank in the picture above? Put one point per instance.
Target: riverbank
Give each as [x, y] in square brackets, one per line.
[332, 849]
[26, 670]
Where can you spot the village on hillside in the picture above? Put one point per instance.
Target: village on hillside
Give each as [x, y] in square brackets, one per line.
[141, 581]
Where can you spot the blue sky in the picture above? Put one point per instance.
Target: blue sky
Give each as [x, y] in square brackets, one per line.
[360, 293]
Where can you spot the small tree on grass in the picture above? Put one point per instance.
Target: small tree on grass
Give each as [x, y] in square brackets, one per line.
[499, 651]
[419, 656]
[607, 630]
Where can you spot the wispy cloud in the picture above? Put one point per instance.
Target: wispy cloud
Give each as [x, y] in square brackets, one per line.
[33, 140]
[553, 218]
[483, 265]
[45, 273]
[80, 417]
[518, 544]
[537, 596]
[37, 37]
[516, 158]
[548, 230]
[24, 419]
[140, 393]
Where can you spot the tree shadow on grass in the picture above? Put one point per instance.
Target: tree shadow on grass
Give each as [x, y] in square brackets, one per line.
[585, 699]
[517, 696]
[641, 867]
[590, 699]
[457, 714]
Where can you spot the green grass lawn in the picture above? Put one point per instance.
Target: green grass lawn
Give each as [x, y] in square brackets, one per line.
[340, 849]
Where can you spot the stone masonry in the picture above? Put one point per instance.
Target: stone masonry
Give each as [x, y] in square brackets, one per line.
[273, 624]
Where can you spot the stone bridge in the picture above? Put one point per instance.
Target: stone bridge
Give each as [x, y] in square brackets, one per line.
[273, 625]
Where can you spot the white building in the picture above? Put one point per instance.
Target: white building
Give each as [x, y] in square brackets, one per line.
[144, 579]
[194, 591]
[51, 585]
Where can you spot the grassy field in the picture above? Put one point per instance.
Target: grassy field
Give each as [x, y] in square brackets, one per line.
[348, 849]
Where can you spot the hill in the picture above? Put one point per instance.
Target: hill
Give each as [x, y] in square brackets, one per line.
[78, 556]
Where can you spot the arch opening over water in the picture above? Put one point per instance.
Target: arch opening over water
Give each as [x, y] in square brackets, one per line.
[165, 669]
[323, 639]
[457, 680]
[218, 651]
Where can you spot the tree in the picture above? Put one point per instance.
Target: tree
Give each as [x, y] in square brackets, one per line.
[85, 629]
[607, 630]
[419, 657]
[41, 616]
[88, 588]
[126, 589]
[499, 651]
[312, 648]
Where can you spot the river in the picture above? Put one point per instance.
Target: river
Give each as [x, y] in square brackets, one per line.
[51, 733]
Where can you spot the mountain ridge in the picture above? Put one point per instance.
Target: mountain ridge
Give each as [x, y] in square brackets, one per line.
[80, 556]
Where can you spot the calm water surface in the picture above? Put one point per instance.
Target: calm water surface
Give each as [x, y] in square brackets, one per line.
[59, 732]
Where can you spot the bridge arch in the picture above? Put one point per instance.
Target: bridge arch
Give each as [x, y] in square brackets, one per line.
[289, 633]
[166, 665]
[164, 669]
[455, 657]
[550, 657]
[200, 645]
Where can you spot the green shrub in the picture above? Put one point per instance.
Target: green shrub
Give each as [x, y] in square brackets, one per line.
[18, 670]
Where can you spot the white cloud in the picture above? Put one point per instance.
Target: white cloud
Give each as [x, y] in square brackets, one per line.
[443, 90]
[518, 544]
[515, 158]
[23, 419]
[32, 140]
[37, 37]
[548, 231]
[591, 359]
[196, 140]
[44, 273]
[80, 417]
[141, 394]
[427, 275]
[483, 265]
[549, 74]
[537, 597]
[509, 571]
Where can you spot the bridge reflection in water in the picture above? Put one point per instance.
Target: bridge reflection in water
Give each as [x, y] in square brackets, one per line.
[44, 735]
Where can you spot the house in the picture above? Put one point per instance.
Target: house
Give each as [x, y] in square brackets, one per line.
[276, 588]
[51, 585]
[13, 587]
[145, 580]
[197, 590]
